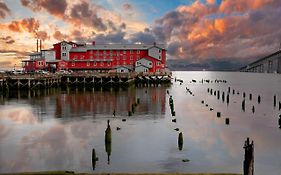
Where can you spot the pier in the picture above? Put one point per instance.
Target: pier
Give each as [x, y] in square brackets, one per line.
[33, 81]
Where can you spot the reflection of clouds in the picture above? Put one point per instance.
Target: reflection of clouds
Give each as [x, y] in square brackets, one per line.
[50, 146]
[81, 131]
[21, 115]
[39, 150]
[4, 131]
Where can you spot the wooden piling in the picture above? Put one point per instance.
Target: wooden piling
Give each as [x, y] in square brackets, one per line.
[274, 101]
[248, 164]
[259, 99]
[243, 105]
[218, 114]
[227, 121]
[94, 159]
[180, 141]
[108, 141]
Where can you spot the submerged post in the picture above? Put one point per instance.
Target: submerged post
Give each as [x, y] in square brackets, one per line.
[248, 163]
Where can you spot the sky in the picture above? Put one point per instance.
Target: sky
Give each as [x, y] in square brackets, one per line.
[198, 32]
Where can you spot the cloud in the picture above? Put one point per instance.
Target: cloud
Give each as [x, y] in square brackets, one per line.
[144, 37]
[4, 10]
[127, 6]
[116, 37]
[7, 39]
[59, 36]
[30, 25]
[42, 35]
[86, 14]
[57, 9]
[5, 63]
[242, 30]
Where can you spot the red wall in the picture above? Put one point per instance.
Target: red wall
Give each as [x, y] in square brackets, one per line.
[57, 48]
[82, 58]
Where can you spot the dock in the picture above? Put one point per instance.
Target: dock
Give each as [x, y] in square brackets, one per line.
[39, 81]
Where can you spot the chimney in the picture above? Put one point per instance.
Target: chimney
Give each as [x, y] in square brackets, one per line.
[36, 45]
[40, 45]
[93, 43]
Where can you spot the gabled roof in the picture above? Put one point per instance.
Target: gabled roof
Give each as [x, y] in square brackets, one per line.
[125, 66]
[141, 65]
[35, 53]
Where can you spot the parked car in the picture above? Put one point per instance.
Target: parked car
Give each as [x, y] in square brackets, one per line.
[17, 72]
[41, 72]
[62, 72]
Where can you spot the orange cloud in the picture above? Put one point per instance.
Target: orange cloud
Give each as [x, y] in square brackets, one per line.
[30, 25]
[232, 31]
[230, 6]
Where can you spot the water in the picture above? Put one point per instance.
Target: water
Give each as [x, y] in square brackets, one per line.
[57, 129]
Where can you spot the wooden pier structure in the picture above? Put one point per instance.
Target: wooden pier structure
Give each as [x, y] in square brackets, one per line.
[29, 81]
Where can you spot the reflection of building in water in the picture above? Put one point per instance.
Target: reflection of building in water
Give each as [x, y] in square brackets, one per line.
[152, 101]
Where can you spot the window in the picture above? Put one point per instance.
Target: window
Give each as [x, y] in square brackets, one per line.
[124, 51]
[158, 63]
[108, 63]
[150, 63]
[131, 51]
[131, 63]
[118, 62]
[138, 57]
[138, 51]
[101, 63]
[124, 63]
[159, 51]
[63, 54]
[73, 64]
[131, 57]
[91, 52]
[124, 57]
[91, 57]
[88, 63]
[117, 58]
[95, 63]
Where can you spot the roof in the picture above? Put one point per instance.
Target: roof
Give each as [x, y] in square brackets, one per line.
[116, 47]
[127, 67]
[141, 65]
[35, 53]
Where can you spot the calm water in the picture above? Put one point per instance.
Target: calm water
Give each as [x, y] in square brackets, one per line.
[57, 129]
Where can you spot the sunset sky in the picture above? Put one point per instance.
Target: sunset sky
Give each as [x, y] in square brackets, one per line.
[197, 31]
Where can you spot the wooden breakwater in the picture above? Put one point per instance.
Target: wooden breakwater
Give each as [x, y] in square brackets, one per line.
[34, 81]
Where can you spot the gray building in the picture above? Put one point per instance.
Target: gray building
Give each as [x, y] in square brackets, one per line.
[268, 64]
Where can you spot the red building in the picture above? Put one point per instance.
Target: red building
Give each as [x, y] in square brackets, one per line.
[100, 57]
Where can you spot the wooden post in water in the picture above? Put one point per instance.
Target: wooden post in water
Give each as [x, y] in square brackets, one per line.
[248, 163]
[274, 101]
[180, 141]
[108, 141]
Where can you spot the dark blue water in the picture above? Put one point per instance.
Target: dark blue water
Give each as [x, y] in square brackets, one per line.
[57, 129]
